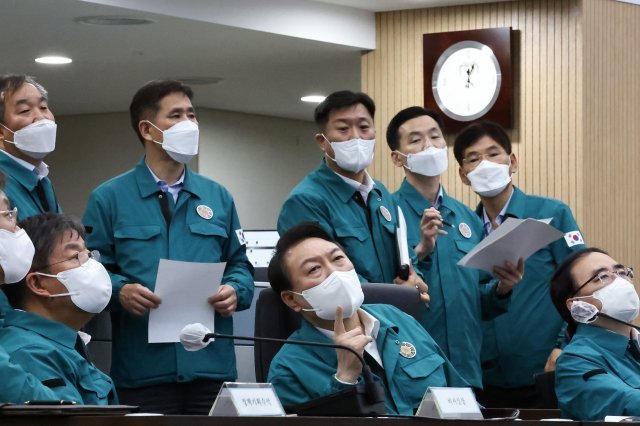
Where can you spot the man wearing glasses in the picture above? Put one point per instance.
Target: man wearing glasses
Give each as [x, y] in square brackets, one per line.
[598, 373]
[443, 230]
[16, 253]
[27, 136]
[64, 289]
[525, 340]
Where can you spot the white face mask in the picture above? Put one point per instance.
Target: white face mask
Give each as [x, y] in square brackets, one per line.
[353, 155]
[619, 300]
[16, 254]
[89, 286]
[489, 179]
[429, 162]
[36, 140]
[341, 288]
[180, 141]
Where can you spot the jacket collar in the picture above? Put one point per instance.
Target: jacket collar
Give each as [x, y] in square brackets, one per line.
[25, 177]
[49, 329]
[336, 185]
[610, 341]
[419, 203]
[147, 184]
[516, 207]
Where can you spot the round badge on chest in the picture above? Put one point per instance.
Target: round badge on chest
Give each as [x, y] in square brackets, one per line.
[385, 213]
[407, 350]
[204, 212]
[465, 230]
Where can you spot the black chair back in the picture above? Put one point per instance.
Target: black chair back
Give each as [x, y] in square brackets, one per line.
[546, 387]
[274, 319]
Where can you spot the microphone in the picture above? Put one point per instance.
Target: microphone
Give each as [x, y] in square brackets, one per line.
[196, 336]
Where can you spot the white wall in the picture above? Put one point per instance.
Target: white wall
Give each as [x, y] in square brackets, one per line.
[258, 158]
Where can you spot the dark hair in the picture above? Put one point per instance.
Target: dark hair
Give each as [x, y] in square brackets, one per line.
[9, 83]
[393, 136]
[277, 272]
[474, 132]
[562, 285]
[146, 102]
[3, 180]
[339, 100]
[45, 231]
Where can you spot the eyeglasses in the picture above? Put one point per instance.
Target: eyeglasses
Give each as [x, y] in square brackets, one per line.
[606, 277]
[475, 158]
[80, 258]
[10, 215]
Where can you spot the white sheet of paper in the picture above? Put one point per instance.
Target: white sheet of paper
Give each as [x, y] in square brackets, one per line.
[184, 288]
[514, 239]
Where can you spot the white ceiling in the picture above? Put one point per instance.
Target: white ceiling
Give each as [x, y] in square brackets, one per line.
[268, 53]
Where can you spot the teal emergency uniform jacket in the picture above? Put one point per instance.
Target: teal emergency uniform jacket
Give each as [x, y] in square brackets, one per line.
[21, 190]
[516, 345]
[597, 376]
[47, 349]
[18, 385]
[303, 373]
[458, 301]
[323, 197]
[125, 223]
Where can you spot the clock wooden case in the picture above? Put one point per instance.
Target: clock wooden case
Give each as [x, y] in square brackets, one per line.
[468, 76]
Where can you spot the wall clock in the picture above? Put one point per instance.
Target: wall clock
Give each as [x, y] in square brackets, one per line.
[467, 76]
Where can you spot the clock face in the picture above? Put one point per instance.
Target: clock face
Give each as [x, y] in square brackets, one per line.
[466, 80]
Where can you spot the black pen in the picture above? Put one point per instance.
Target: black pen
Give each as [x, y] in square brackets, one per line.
[447, 224]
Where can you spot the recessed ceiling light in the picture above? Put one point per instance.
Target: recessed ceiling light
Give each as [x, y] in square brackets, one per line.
[199, 80]
[313, 98]
[53, 60]
[112, 20]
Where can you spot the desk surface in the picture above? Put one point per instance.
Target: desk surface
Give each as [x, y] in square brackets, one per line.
[529, 417]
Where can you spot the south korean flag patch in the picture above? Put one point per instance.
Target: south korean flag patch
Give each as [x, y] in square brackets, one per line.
[573, 238]
[241, 239]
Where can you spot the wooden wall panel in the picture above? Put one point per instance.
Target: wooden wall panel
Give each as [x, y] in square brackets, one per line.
[612, 126]
[577, 103]
[548, 99]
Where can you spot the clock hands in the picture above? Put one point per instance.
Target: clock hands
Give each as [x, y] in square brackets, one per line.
[469, 72]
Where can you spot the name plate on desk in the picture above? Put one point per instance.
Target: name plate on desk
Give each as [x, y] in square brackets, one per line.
[449, 403]
[247, 399]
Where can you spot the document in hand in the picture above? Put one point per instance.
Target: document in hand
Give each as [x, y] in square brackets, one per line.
[514, 239]
[184, 288]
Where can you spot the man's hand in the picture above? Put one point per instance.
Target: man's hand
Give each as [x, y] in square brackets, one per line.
[349, 366]
[430, 227]
[225, 300]
[508, 275]
[416, 282]
[551, 361]
[137, 299]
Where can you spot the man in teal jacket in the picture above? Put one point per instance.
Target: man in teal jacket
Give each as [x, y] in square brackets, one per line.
[341, 196]
[163, 210]
[16, 255]
[598, 373]
[28, 134]
[517, 344]
[316, 278]
[443, 230]
[64, 289]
